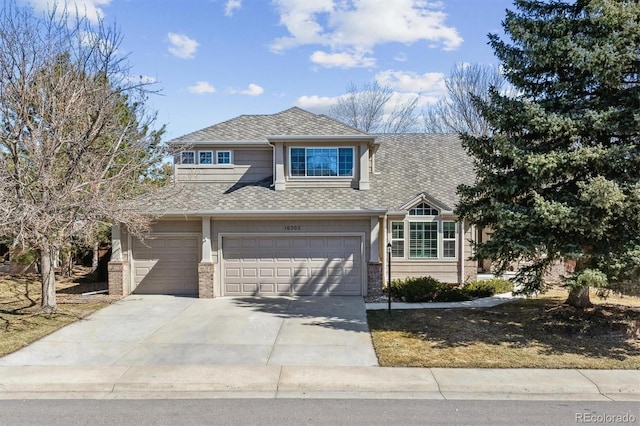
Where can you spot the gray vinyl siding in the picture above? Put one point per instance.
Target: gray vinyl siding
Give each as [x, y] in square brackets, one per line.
[311, 226]
[249, 165]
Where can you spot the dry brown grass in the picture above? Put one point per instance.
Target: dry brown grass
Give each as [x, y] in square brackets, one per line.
[21, 321]
[530, 333]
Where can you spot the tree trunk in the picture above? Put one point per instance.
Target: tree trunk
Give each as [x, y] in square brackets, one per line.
[48, 280]
[95, 261]
[579, 297]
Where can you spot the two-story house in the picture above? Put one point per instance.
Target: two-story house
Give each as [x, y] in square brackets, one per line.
[298, 203]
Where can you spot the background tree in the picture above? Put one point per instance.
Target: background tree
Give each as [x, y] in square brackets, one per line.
[560, 177]
[75, 137]
[372, 109]
[457, 111]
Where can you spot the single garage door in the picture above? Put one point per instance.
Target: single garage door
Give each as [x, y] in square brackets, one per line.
[166, 265]
[313, 265]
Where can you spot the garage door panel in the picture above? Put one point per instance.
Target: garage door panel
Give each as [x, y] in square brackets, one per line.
[267, 273]
[283, 272]
[291, 265]
[249, 272]
[166, 265]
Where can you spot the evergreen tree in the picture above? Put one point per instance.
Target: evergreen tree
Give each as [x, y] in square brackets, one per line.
[560, 176]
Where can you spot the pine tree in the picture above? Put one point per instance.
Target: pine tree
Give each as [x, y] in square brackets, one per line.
[560, 176]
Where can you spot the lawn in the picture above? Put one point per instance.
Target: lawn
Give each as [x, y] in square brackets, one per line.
[528, 333]
[21, 323]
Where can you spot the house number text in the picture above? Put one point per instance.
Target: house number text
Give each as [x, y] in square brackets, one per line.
[292, 228]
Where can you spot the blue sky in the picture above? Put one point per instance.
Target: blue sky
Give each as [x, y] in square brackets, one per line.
[213, 60]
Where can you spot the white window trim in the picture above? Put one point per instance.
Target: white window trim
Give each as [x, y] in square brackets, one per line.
[195, 158]
[403, 239]
[230, 163]
[454, 239]
[212, 157]
[349, 177]
[407, 238]
[424, 219]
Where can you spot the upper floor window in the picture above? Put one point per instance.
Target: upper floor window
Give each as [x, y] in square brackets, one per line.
[223, 157]
[321, 162]
[205, 157]
[187, 157]
[423, 209]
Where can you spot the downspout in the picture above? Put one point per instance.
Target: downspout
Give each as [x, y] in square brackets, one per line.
[385, 240]
[462, 252]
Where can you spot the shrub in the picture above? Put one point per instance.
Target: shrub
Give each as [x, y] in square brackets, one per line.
[415, 289]
[425, 289]
[479, 289]
[451, 293]
[488, 288]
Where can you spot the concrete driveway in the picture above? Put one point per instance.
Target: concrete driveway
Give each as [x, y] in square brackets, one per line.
[167, 330]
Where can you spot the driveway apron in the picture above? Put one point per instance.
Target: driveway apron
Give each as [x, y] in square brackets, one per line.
[168, 330]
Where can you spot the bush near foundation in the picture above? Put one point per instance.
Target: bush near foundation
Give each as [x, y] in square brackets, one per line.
[425, 289]
[429, 289]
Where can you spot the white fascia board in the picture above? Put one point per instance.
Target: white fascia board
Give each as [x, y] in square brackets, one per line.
[264, 143]
[271, 213]
[322, 138]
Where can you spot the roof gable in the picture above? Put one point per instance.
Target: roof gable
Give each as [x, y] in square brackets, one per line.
[291, 122]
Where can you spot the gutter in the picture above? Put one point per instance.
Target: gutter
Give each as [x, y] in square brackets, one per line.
[270, 213]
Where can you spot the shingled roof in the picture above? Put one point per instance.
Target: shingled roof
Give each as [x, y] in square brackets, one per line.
[407, 166]
[255, 128]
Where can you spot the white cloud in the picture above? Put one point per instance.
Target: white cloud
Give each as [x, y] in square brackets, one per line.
[341, 60]
[182, 46]
[91, 9]
[201, 88]
[251, 90]
[357, 26]
[407, 81]
[427, 88]
[317, 104]
[231, 6]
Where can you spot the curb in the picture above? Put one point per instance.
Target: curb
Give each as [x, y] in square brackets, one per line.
[202, 381]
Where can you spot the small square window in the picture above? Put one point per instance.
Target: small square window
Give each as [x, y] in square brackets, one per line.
[187, 157]
[205, 157]
[223, 157]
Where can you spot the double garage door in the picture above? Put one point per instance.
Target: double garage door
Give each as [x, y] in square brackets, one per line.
[311, 265]
[257, 265]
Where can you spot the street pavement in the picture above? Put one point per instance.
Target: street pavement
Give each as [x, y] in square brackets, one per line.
[159, 347]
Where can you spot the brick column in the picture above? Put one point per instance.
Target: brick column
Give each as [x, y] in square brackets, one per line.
[374, 279]
[206, 277]
[116, 277]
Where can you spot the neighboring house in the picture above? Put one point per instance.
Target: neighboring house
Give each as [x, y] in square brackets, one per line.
[299, 203]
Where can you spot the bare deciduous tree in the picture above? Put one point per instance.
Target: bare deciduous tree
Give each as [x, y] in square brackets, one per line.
[368, 109]
[456, 112]
[75, 137]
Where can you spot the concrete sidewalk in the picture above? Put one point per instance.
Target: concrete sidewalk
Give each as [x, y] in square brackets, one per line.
[485, 302]
[207, 381]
